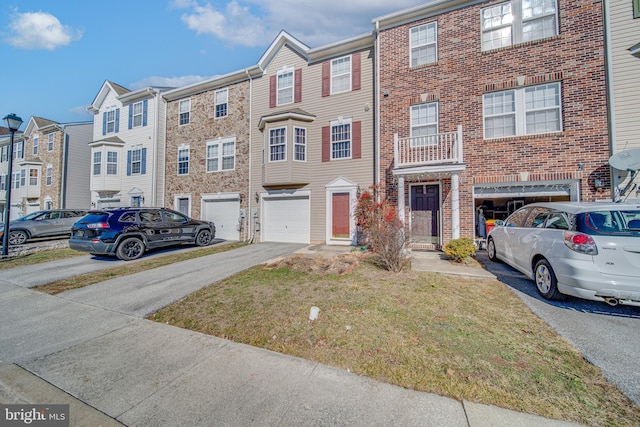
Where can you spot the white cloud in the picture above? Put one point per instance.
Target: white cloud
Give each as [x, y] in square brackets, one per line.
[158, 81]
[315, 23]
[39, 30]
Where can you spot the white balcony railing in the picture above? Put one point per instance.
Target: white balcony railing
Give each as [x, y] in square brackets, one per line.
[438, 149]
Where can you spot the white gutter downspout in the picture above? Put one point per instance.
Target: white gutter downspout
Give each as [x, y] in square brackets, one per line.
[154, 141]
[247, 215]
[610, 105]
[376, 138]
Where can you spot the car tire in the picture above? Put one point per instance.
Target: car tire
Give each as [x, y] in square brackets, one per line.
[18, 237]
[203, 238]
[546, 282]
[491, 250]
[130, 248]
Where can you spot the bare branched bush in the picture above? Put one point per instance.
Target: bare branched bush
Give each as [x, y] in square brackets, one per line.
[382, 229]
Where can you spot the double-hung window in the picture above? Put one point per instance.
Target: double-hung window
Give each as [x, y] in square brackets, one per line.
[185, 111]
[49, 176]
[36, 142]
[17, 150]
[278, 145]
[50, 142]
[341, 139]
[221, 155]
[110, 121]
[136, 161]
[424, 122]
[23, 177]
[33, 177]
[183, 160]
[524, 111]
[221, 103]
[518, 21]
[341, 74]
[112, 162]
[137, 112]
[285, 86]
[97, 162]
[300, 144]
[424, 48]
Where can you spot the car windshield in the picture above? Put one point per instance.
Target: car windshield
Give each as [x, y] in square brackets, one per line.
[31, 216]
[612, 222]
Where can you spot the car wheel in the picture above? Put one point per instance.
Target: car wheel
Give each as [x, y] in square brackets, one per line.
[546, 282]
[131, 248]
[17, 237]
[491, 250]
[203, 238]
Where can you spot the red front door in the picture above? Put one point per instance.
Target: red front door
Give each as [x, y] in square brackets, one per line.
[340, 215]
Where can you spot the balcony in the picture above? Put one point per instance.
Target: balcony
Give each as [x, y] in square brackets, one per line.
[442, 151]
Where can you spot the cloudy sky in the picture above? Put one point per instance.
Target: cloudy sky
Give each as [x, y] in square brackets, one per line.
[57, 54]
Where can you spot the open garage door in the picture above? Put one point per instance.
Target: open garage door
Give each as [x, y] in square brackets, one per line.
[224, 213]
[286, 219]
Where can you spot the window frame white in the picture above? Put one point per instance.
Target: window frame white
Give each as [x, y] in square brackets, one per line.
[334, 142]
[111, 164]
[183, 162]
[285, 94]
[50, 142]
[521, 111]
[137, 118]
[49, 175]
[415, 49]
[110, 120]
[33, 183]
[278, 148]
[96, 162]
[184, 112]
[222, 103]
[337, 75]
[221, 155]
[516, 24]
[414, 127]
[36, 143]
[299, 146]
[136, 161]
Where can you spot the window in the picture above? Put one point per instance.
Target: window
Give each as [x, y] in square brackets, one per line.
[636, 8]
[112, 163]
[33, 177]
[221, 103]
[23, 177]
[278, 145]
[424, 121]
[3, 183]
[341, 140]
[424, 49]
[518, 21]
[50, 142]
[110, 117]
[185, 109]
[526, 111]
[183, 160]
[16, 180]
[17, 150]
[136, 161]
[285, 86]
[36, 141]
[221, 155]
[341, 75]
[97, 162]
[300, 144]
[49, 174]
[5, 153]
[136, 112]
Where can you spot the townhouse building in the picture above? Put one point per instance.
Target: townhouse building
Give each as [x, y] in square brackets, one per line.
[485, 106]
[127, 151]
[623, 54]
[50, 167]
[208, 138]
[312, 141]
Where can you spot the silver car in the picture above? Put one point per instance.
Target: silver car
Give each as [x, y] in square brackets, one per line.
[47, 223]
[589, 250]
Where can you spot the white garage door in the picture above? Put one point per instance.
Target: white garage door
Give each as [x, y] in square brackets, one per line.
[286, 219]
[224, 213]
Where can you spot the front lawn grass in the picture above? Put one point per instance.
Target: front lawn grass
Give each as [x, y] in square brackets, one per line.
[463, 338]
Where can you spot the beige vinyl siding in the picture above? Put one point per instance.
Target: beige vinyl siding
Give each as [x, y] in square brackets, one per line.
[355, 105]
[625, 32]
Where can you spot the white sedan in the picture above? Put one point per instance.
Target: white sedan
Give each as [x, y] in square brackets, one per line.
[589, 250]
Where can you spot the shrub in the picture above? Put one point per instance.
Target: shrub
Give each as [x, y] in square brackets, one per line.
[460, 249]
[383, 232]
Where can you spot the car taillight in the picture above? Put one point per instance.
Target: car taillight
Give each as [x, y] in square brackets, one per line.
[98, 225]
[580, 242]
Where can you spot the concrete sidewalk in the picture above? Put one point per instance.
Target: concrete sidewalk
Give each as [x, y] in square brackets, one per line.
[94, 350]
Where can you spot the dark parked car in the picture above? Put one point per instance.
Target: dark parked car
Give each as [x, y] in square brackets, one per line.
[47, 223]
[128, 232]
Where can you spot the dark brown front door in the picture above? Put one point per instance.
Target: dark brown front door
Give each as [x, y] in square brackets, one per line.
[425, 210]
[340, 215]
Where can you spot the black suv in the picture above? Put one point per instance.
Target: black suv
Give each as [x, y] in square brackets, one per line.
[129, 232]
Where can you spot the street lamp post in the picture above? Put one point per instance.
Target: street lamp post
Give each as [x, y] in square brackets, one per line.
[13, 123]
